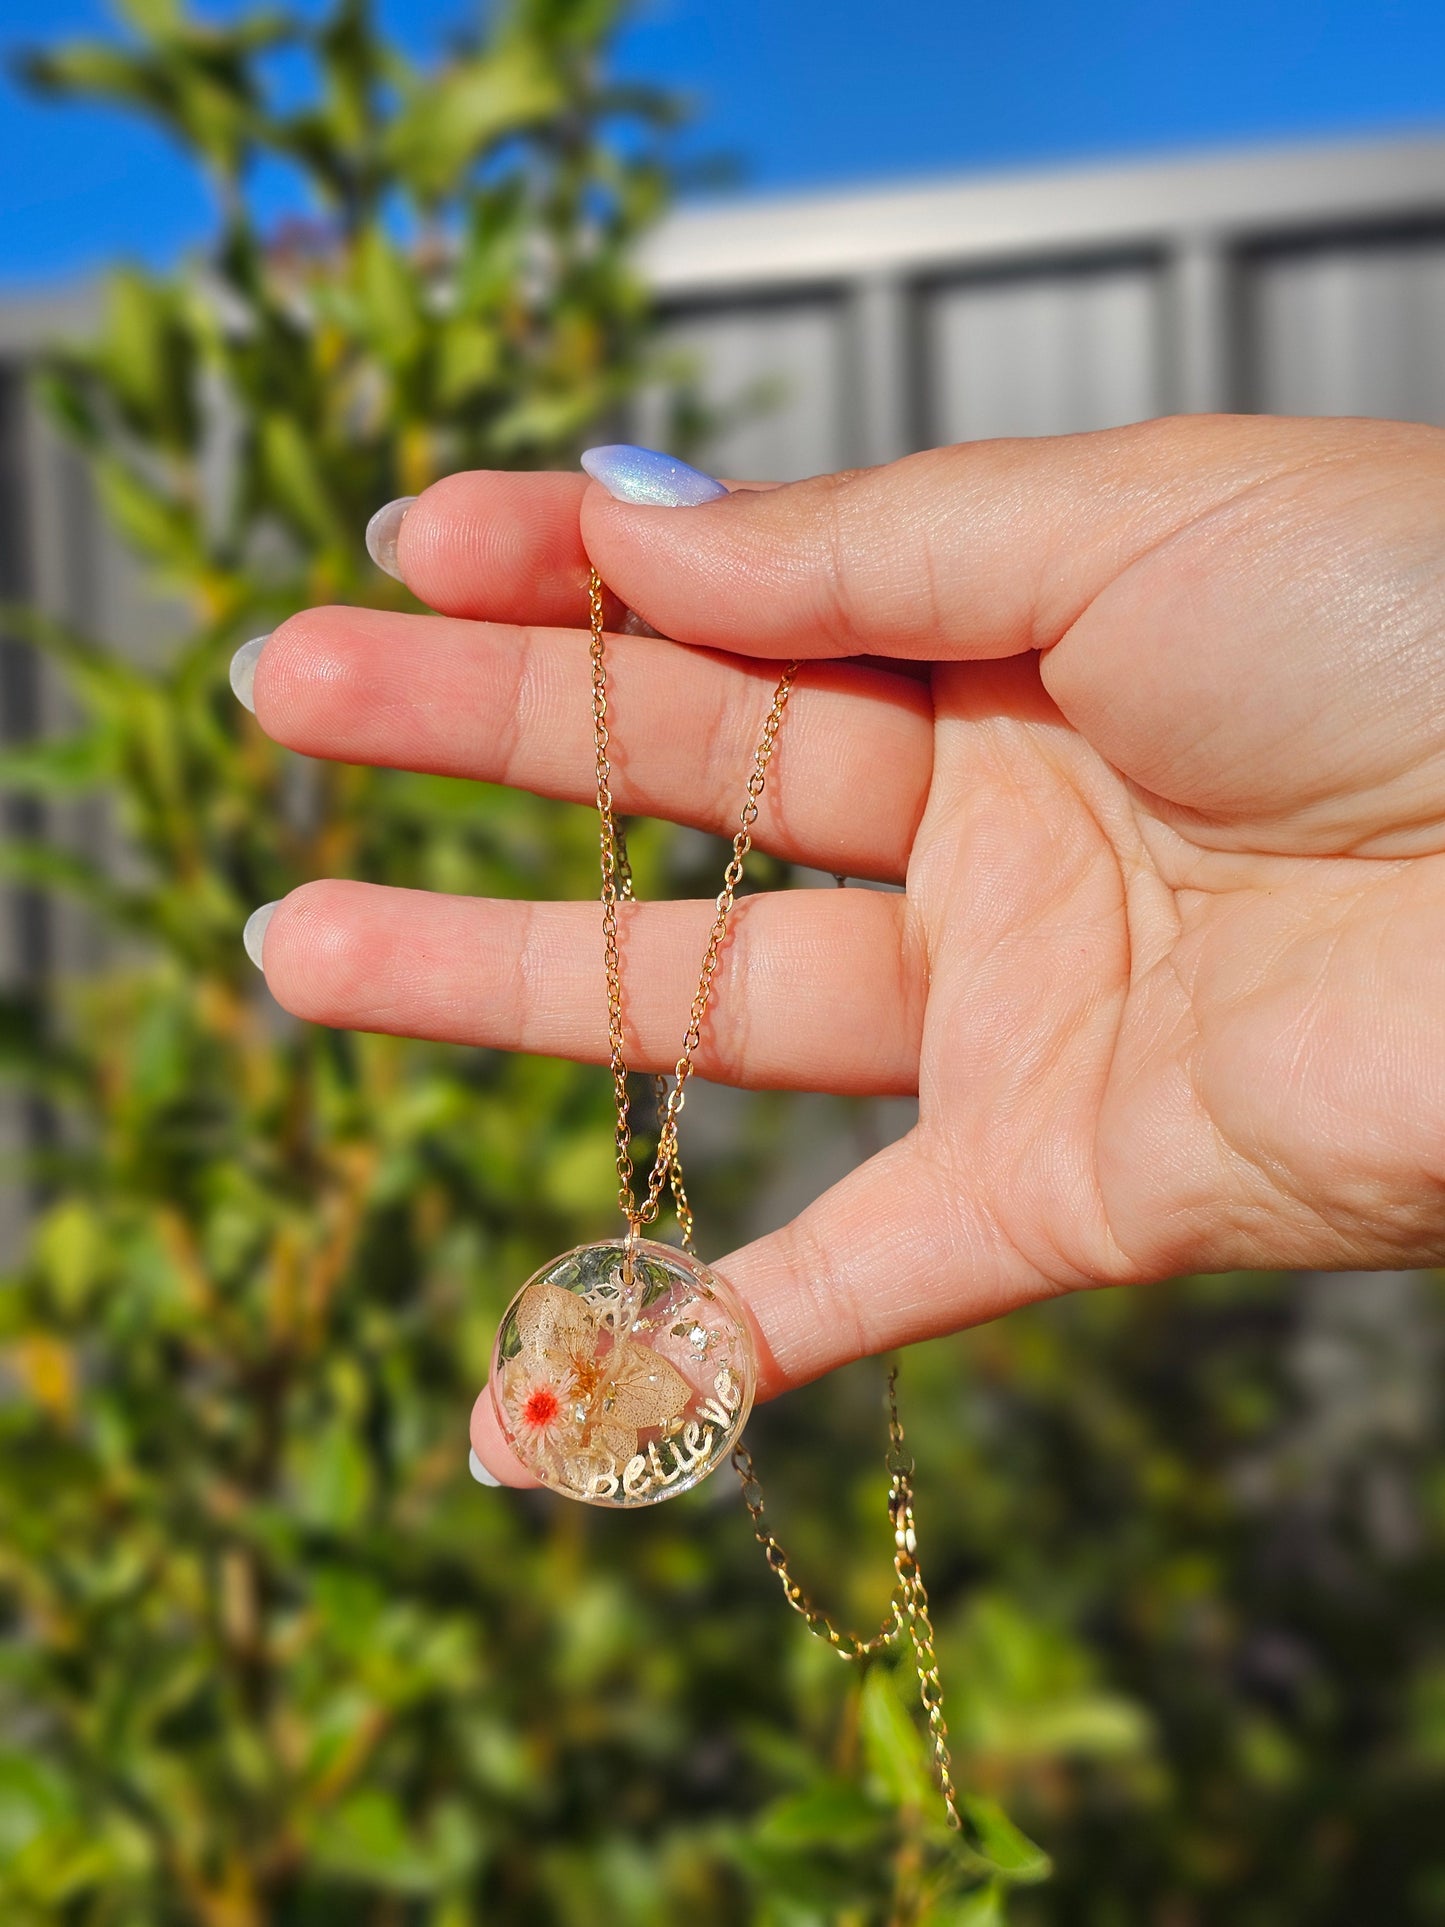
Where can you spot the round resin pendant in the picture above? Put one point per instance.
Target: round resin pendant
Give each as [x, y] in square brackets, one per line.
[619, 1391]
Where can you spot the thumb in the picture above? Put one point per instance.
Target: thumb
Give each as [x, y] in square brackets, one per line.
[984, 549]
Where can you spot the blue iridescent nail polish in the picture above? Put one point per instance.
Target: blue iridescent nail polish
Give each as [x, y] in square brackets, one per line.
[632, 474]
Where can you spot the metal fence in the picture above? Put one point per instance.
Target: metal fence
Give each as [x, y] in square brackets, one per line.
[861, 326]
[1304, 281]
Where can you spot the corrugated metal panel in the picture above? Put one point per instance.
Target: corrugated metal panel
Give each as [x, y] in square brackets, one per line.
[1047, 353]
[56, 553]
[1355, 327]
[776, 375]
[26, 922]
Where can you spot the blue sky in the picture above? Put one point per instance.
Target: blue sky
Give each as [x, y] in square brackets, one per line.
[814, 93]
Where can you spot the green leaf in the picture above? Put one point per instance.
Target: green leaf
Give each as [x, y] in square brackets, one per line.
[834, 1813]
[893, 1744]
[896, 1749]
[984, 1907]
[103, 680]
[469, 357]
[1001, 1843]
[63, 389]
[544, 419]
[149, 357]
[575, 24]
[34, 1798]
[492, 253]
[368, 1838]
[811, 1876]
[90, 67]
[1086, 1726]
[60, 767]
[197, 80]
[294, 477]
[46, 865]
[332, 1475]
[452, 118]
[70, 1247]
[388, 292]
[154, 521]
[157, 17]
[353, 63]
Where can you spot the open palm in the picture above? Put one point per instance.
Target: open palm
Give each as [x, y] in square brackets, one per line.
[1167, 794]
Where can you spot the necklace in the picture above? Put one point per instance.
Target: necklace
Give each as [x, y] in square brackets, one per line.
[624, 1370]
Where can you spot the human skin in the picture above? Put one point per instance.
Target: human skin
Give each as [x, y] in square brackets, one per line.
[1151, 725]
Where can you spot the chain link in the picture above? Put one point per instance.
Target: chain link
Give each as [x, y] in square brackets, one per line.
[908, 1608]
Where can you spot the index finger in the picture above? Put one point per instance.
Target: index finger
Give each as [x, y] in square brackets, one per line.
[501, 547]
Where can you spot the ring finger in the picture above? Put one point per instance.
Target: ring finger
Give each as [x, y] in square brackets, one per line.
[514, 705]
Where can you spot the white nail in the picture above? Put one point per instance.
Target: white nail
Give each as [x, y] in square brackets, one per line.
[479, 1472]
[243, 670]
[254, 934]
[382, 531]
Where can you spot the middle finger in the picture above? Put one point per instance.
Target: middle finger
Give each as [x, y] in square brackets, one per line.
[513, 705]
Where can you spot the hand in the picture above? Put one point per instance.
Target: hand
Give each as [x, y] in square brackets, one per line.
[1168, 797]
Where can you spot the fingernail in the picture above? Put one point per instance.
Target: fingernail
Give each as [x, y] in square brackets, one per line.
[243, 670]
[479, 1472]
[631, 474]
[254, 934]
[382, 531]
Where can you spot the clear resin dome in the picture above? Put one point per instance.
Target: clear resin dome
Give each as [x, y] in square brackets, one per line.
[623, 1392]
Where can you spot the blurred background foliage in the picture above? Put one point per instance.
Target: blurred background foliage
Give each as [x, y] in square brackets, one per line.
[267, 1655]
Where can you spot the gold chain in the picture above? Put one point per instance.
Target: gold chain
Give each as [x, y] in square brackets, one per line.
[908, 1608]
[616, 888]
[659, 1083]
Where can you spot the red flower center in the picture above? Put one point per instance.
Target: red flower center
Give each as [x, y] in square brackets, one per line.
[540, 1407]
